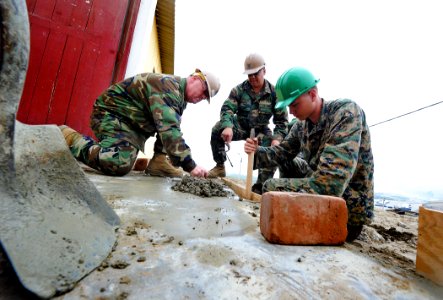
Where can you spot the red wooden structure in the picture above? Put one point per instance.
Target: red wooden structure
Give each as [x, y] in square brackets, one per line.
[78, 48]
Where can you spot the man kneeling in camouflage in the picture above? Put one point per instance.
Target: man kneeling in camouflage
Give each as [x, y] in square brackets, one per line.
[131, 111]
[327, 151]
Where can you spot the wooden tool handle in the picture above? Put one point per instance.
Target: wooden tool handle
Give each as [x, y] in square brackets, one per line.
[249, 175]
[249, 171]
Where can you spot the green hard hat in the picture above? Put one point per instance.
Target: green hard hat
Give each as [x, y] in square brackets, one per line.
[292, 84]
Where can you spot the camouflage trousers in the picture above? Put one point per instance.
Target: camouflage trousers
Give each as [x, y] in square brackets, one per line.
[289, 181]
[264, 136]
[112, 155]
[289, 172]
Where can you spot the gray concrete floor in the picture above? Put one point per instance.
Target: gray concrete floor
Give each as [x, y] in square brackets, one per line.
[174, 245]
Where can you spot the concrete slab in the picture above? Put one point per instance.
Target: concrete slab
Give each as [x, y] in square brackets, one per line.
[173, 245]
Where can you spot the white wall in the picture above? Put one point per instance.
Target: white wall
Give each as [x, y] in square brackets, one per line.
[138, 57]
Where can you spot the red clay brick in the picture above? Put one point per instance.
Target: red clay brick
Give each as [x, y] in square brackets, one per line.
[303, 219]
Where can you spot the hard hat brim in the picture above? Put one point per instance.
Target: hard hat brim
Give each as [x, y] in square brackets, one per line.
[252, 71]
[209, 89]
[286, 102]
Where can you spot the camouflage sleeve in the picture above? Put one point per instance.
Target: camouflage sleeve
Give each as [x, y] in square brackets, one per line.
[278, 155]
[229, 108]
[165, 108]
[291, 123]
[280, 120]
[339, 156]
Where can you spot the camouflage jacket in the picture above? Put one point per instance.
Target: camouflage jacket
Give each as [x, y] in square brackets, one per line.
[147, 104]
[338, 150]
[254, 110]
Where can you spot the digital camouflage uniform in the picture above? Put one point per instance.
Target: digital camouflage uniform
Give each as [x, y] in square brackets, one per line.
[339, 159]
[244, 110]
[127, 114]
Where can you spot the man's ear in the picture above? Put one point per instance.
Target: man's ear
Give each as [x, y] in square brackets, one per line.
[313, 93]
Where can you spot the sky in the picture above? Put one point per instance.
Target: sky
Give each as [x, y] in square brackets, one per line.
[385, 55]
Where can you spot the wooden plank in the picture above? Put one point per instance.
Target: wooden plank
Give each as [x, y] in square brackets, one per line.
[45, 84]
[240, 190]
[44, 8]
[30, 5]
[80, 15]
[97, 61]
[126, 41]
[39, 38]
[108, 46]
[63, 11]
[429, 261]
[65, 82]
[80, 107]
[76, 61]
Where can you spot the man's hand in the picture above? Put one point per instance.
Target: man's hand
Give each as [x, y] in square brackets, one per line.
[199, 172]
[227, 134]
[275, 142]
[251, 145]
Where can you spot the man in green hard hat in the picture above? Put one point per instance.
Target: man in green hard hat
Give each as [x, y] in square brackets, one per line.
[334, 141]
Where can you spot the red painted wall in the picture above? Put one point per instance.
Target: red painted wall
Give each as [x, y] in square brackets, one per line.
[74, 46]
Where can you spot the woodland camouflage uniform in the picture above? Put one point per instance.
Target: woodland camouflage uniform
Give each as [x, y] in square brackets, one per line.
[337, 157]
[243, 110]
[127, 114]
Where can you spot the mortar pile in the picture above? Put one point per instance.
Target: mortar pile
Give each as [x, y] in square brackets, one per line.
[201, 187]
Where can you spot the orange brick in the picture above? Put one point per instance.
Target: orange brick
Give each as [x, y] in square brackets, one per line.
[303, 219]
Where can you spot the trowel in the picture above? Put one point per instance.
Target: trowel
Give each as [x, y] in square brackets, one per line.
[55, 226]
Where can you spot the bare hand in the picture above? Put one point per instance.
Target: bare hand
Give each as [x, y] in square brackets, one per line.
[227, 134]
[275, 142]
[199, 172]
[251, 145]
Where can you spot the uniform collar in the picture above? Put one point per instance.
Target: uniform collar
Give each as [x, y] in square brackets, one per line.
[265, 90]
[321, 124]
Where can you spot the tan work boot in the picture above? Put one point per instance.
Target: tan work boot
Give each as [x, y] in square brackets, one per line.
[69, 134]
[159, 165]
[217, 171]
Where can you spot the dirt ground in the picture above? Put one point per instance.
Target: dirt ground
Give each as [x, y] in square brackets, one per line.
[391, 239]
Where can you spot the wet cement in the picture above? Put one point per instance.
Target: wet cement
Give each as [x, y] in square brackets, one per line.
[202, 187]
[174, 245]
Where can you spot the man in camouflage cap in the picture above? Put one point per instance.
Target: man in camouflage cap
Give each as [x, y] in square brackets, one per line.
[250, 105]
[334, 140]
[131, 111]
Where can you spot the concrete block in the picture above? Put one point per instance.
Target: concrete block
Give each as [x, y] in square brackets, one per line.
[303, 219]
[429, 260]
